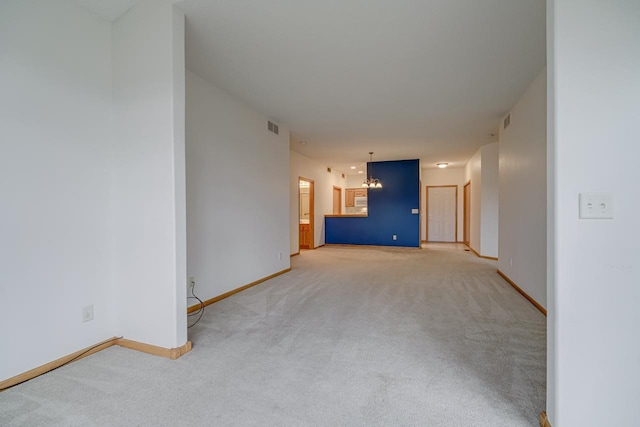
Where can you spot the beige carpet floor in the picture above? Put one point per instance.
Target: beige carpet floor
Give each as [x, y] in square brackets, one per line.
[350, 337]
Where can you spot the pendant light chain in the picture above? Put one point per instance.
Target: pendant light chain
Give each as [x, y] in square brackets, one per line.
[371, 182]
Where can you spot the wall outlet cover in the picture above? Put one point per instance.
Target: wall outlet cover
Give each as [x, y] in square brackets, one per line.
[87, 313]
[596, 205]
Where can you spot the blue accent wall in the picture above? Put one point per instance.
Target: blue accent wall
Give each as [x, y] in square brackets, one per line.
[389, 210]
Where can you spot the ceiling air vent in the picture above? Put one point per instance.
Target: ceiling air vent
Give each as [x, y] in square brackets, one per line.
[507, 120]
[272, 127]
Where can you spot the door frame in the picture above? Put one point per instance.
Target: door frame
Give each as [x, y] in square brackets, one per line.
[421, 214]
[427, 211]
[339, 204]
[466, 215]
[311, 211]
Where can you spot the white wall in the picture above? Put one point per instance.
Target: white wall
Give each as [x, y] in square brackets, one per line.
[148, 184]
[55, 244]
[594, 105]
[302, 166]
[93, 179]
[237, 192]
[523, 186]
[436, 177]
[490, 201]
[179, 171]
[482, 171]
[472, 173]
[354, 181]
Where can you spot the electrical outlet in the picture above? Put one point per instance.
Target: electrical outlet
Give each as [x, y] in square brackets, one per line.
[395, 237]
[510, 262]
[192, 282]
[87, 313]
[279, 255]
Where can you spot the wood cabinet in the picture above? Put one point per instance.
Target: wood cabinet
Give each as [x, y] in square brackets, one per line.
[305, 236]
[349, 197]
[351, 194]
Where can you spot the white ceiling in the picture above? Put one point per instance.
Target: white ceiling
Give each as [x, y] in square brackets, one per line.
[427, 79]
[107, 9]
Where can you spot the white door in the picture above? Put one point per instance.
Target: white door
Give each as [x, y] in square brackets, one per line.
[441, 214]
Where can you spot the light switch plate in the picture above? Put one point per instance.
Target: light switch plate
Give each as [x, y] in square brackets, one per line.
[596, 205]
[415, 211]
[87, 313]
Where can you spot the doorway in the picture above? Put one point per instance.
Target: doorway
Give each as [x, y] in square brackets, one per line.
[467, 213]
[305, 213]
[337, 200]
[442, 213]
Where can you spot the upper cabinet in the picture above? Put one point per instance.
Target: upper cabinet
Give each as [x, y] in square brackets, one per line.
[351, 194]
[349, 197]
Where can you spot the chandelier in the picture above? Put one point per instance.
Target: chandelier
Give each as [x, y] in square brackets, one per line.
[371, 182]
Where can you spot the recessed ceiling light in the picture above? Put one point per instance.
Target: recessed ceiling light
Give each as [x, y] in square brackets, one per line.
[360, 172]
[442, 165]
[352, 167]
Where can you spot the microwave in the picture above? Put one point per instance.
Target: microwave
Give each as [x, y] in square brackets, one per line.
[360, 202]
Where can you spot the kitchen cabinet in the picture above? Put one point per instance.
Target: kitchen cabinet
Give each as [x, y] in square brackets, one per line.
[349, 197]
[351, 194]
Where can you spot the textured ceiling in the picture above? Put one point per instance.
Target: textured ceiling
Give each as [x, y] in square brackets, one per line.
[107, 9]
[427, 79]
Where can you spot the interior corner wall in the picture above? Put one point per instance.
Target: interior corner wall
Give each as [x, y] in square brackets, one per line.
[148, 179]
[523, 192]
[55, 114]
[237, 192]
[303, 166]
[594, 351]
[473, 174]
[482, 171]
[438, 177]
[551, 255]
[179, 170]
[490, 201]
